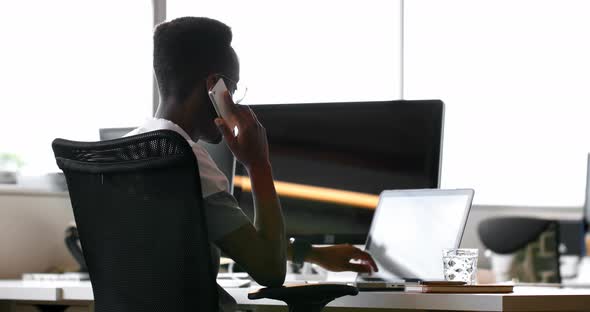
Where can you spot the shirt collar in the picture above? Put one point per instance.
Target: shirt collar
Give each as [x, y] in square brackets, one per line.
[165, 124]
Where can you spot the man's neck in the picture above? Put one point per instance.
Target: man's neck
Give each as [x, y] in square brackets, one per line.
[174, 112]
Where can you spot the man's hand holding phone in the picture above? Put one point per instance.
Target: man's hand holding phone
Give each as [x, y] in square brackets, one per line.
[266, 251]
[248, 143]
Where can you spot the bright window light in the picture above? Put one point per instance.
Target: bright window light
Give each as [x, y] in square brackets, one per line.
[310, 51]
[514, 76]
[68, 68]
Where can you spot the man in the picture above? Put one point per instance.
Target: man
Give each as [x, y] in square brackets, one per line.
[190, 55]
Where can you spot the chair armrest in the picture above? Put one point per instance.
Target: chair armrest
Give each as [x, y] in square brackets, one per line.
[305, 294]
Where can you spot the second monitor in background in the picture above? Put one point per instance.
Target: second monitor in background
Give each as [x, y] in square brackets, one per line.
[332, 160]
[587, 200]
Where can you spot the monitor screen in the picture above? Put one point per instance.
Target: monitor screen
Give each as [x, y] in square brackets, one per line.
[587, 201]
[332, 160]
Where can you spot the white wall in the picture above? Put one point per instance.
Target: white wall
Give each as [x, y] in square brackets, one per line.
[32, 227]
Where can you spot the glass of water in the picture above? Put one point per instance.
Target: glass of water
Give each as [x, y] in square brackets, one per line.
[460, 264]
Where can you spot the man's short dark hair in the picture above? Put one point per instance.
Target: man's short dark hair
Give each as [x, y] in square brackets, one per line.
[188, 49]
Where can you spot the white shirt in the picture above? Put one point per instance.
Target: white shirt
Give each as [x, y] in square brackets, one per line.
[221, 209]
[212, 179]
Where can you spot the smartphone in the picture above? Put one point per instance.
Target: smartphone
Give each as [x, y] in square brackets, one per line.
[222, 107]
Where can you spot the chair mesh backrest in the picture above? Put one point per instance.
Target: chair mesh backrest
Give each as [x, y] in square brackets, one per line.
[137, 204]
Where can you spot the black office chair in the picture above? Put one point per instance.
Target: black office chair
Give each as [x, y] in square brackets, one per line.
[136, 202]
[137, 205]
[533, 242]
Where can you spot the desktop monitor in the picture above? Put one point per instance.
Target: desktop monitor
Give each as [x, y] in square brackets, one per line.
[332, 160]
[587, 201]
[572, 232]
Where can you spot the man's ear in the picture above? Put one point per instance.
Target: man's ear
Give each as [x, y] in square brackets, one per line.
[211, 81]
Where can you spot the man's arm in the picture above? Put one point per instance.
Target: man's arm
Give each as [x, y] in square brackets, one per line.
[260, 248]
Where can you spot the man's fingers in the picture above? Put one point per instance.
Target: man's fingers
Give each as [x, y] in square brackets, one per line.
[358, 267]
[253, 115]
[224, 129]
[228, 99]
[364, 256]
[244, 117]
[372, 264]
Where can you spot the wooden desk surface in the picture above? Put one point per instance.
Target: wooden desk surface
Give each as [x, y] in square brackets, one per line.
[523, 299]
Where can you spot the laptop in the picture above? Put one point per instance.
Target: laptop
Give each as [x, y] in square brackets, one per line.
[410, 228]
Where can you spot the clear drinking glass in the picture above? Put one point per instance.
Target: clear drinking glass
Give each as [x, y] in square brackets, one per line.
[460, 264]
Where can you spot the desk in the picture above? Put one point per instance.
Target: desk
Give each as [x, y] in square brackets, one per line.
[19, 290]
[46, 295]
[523, 299]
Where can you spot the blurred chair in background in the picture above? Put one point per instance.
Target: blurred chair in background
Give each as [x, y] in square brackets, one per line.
[528, 246]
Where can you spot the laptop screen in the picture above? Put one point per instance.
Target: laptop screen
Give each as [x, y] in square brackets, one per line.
[411, 228]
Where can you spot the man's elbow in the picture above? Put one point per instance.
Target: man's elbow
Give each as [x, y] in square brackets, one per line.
[272, 275]
[271, 280]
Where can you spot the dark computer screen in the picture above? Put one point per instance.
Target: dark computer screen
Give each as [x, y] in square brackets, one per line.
[332, 160]
[572, 232]
[587, 201]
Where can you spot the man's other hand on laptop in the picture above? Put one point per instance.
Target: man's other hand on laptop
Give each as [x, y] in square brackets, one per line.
[340, 258]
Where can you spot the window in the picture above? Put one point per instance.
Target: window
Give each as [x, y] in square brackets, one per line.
[69, 68]
[310, 51]
[514, 76]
